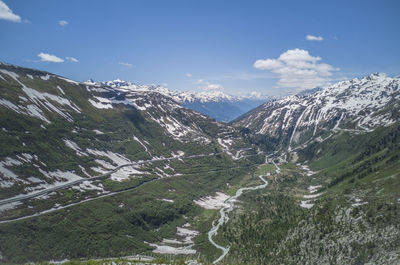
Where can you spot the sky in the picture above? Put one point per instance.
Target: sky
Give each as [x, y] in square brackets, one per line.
[270, 47]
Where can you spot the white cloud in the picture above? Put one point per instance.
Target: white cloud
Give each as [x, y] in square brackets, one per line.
[314, 38]
[45, 57]
[213, 87]
[188, 74]
[297, 70]
[7, 14]
[256, 95]
[72, 59]
[209, 86]
[63, 22]
[127, 65]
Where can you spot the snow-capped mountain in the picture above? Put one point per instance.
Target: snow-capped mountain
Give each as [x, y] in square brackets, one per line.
[85, 162]
[216, 104]
[65, 143]
[48, 120]
[357, 105]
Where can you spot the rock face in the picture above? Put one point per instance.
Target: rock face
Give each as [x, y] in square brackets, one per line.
[357, 105]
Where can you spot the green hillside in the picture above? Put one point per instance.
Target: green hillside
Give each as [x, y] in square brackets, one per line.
[354, 220]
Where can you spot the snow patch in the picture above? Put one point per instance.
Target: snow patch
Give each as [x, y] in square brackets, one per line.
[60, 89]
[182, 245]
[102, 103]
[74, 146]
[34, 111]
[313, 189]
[142, 144]
[306, 204]
[98, 132]
[9, 206]
[167, 200]
[213, 202]
[164, 249]
[86, 185]
[358, 202]
[117, 159]
[68, 80]
[9, 177]
[39, 99]
[45, 77]
[125, 173]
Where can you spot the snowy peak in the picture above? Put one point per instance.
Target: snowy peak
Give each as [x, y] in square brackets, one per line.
[374, 83]
[60, 133]
[216, 104]
[205, 96]
[181, 97]
[357, 105]
[127, 86]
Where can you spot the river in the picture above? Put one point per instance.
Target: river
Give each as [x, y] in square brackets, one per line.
[224, 217]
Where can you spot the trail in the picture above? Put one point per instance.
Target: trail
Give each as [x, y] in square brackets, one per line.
[224, 217]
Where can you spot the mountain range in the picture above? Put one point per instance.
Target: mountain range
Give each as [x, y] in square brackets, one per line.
[357, 105]
[216, 104]
[132, 173]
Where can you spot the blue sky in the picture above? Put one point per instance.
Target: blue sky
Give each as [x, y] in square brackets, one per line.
[234, 46]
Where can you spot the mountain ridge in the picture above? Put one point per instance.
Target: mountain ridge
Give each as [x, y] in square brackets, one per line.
[95, 171]
[217, 104]
[179, 96]
[41, 101]
[356, 105]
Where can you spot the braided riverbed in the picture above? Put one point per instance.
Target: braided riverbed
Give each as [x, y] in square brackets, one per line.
[224, 217]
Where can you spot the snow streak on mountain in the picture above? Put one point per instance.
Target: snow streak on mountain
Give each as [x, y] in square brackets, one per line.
[357, 105]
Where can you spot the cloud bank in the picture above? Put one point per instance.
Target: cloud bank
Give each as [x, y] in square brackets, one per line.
[297, 70]
[7, 14]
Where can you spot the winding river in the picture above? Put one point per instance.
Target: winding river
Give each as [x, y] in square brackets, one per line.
[224, 217]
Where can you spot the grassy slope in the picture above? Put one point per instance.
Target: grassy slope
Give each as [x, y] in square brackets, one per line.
[101, 228]
[271, 228]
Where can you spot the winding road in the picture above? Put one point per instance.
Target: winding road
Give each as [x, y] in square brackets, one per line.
[75, 203]
[75, 182]
[224, 217]
[29, 196]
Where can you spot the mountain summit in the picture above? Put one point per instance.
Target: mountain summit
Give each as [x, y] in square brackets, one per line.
[217, 104]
